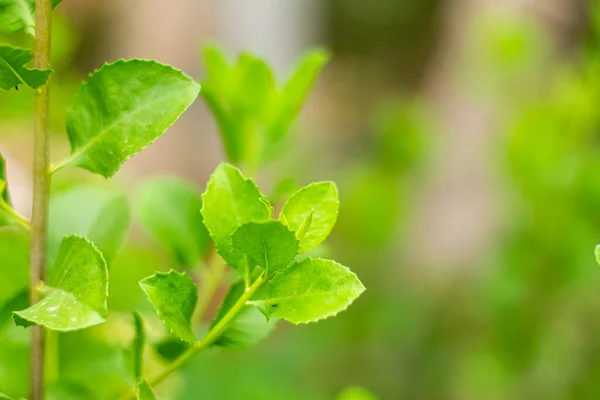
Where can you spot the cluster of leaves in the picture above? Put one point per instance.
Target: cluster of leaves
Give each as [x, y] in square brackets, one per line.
[122, 108]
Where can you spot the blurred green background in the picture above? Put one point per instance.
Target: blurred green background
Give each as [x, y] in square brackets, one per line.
[465, 140]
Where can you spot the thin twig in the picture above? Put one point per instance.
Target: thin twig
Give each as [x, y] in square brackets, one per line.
[41, 192]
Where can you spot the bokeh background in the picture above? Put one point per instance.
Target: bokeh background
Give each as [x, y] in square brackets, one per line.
[465, 139]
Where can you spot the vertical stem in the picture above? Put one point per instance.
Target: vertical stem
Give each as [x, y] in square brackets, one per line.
[41, 192]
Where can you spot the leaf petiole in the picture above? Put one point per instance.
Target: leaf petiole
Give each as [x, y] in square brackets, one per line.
[207, 340]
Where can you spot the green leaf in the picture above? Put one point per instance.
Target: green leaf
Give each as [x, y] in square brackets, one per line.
[171, 348]
[14, 73]
[19, 15]
[5, 397]
[137, 345]
[254, 88]
[284, 189]
[17, 302]
[218, 69]
[231, 200]
[597, 253]
[294, 93]
[248, 328]
[308, 291]
[356, 393]
[268, 244]
[14, 261]
[102, 216]
[144, 391]
[174, 296]
[77, 293]
[124, 107]
[169, 209]
[318, 202]
[4, 187]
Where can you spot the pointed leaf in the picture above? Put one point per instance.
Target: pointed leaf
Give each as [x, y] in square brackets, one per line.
[319, 200]
[169, 209]
[77, 293]
[294, 93]
[14, 73]
[268, 244]
[144, 391]
[124, 107]
[248, 328]
[308, 291]
[137, 346]
[230, 200]
[102, 216]
[174, 296]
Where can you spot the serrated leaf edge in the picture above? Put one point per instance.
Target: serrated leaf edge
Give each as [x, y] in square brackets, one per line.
[325, 316]
[76, 154]
[164, 274]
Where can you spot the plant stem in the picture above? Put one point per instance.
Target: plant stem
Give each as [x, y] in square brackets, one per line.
[206, 341]
[41, 193]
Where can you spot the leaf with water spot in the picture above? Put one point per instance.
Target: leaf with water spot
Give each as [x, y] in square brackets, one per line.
[308, 291]
[174, 296]
[13, 72]
[122, 108]
[77, 291]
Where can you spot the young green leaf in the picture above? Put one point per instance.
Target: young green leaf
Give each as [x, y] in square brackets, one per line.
[254, 88]
[308, 291]
[77, 293]
[230, 200]
[124, 107]
[137, 345]
[169, 209]
[13, 72]
[294, 93]
[174, 296]
[102, 216]
[248, 328]
[144, 391]
[317, 202]
[218, 70]
[268, 244]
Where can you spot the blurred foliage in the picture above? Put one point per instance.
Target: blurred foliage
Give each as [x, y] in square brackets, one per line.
[528, 328]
